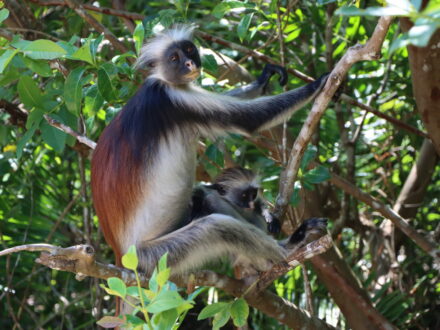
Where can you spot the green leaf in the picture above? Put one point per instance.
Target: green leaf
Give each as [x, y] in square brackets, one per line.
[44, 49]
[162, 264]
[220, 10]
[165, 300]
[20, 43]
[35, 116]
[4, 13]
[117, 285]
[109, 322]
[184, 307]
[309, 154]
[94, 46]
[5, 58]
[239, 312]
[292, 35]
[93, 101]
[419, 35]
[138, 36]
[134, 320]
[295, 197]
[53, 136]
[29, 92]
[105, 85]
[166, 319]
[214, 154]
[152, 283]
[130, 259]
[163, 276]
[212, 309]
[194, 294]
[8, 77]
[26, 137]
[243, 26]
[400, 42]
[41, 68]
[221, 318]
[209, 63]
[73, 90]
[133, 291]
[317, 175]
[83, 54]
[70, 120]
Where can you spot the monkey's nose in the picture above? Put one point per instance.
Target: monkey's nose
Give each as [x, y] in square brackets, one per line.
[190, 65]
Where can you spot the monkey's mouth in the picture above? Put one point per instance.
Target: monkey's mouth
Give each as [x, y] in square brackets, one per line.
[192, 75]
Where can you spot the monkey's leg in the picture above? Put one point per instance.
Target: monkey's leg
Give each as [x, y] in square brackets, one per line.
[208, 239]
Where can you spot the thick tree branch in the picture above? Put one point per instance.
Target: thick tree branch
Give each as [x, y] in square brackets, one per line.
[309, 251]
[80, 260]
[369, 51]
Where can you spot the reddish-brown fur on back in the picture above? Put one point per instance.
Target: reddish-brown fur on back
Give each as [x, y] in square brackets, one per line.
[116, 184]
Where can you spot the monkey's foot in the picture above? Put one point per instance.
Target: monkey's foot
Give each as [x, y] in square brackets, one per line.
[309, 231]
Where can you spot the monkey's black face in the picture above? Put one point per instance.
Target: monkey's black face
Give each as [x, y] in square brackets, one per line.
[182, 63]
[246, 198]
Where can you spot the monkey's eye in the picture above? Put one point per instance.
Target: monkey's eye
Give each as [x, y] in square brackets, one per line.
[174, 58]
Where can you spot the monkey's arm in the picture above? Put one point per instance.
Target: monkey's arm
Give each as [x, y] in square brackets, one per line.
[259, 86]
[216, 114]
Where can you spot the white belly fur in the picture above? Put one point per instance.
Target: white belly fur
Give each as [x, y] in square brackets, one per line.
[166, 191]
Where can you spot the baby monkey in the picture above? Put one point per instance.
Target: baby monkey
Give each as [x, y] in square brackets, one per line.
[235, 192]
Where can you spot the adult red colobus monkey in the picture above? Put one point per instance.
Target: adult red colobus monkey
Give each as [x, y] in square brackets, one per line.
[143, 167]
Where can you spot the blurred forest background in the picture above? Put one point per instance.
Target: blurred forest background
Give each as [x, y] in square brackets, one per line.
[70, 62]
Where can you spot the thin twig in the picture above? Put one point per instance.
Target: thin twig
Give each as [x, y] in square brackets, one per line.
[34, 31]
[66, 129]
[392, 120]
[308, 290]
[424, 243]
[102, 10]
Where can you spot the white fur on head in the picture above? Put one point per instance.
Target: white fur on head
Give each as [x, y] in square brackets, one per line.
[153, 49]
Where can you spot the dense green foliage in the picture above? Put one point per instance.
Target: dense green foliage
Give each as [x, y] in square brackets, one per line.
[69, 71]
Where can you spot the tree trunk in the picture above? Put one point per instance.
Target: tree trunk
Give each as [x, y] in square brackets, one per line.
[425, 70]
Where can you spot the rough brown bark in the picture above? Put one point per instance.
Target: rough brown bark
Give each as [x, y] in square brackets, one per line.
[425, 71]
[343, 285]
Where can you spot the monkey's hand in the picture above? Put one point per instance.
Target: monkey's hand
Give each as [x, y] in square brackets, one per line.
[273, 224]
[270, 70]
[309, 231]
